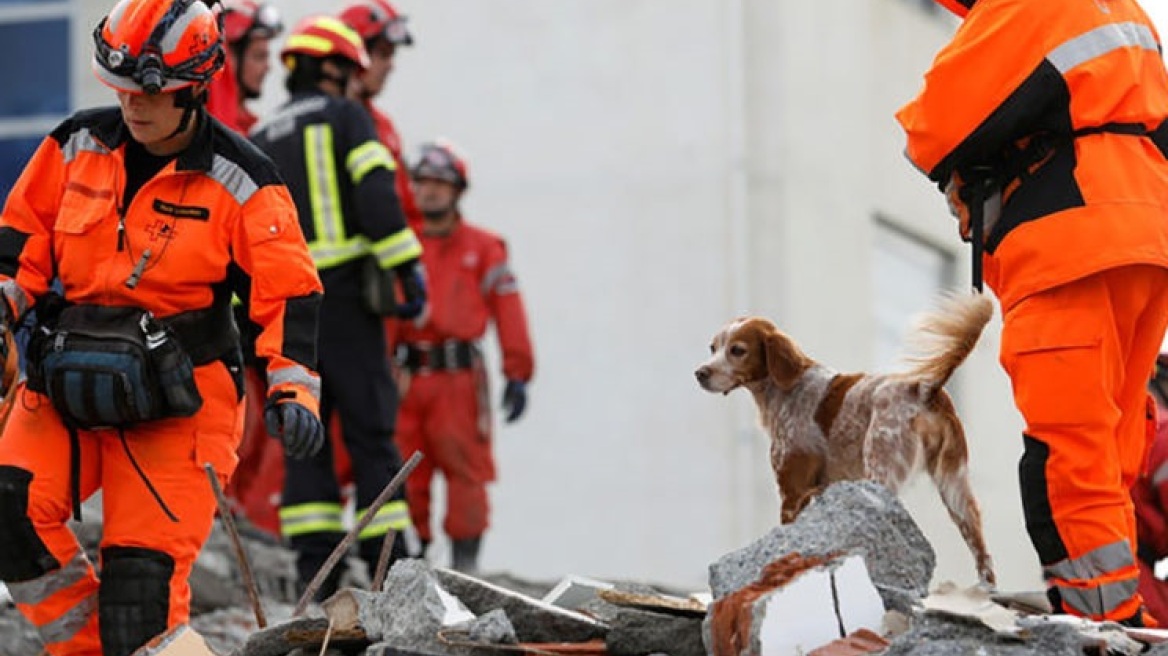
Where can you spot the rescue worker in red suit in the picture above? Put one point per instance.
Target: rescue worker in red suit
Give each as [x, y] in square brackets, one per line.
[139, 211]
[1049, 117]
[445, 411]
[341, 178]
[248, 30]
[1150, 494]
[383, 30]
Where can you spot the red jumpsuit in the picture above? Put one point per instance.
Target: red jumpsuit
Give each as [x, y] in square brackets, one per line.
[445, 412]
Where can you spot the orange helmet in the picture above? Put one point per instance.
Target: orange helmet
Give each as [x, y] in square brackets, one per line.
[959, 7]
[439, 160]
[377, 18]
[147, 46]
[322, 37]
[245, 18]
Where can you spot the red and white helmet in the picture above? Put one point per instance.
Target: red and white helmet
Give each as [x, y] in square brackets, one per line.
[377, 18]
[243, 19]
[440, 160]
[324, 36]
[148, 46]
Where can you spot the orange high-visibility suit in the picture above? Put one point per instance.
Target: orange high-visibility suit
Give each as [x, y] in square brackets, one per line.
[1059, 101]
[445, 411]
[218, 203]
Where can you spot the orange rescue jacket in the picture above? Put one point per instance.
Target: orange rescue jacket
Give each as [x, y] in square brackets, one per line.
[219, 203]
[1061, 98]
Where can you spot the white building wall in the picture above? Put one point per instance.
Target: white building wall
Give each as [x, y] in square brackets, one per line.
[658, 167]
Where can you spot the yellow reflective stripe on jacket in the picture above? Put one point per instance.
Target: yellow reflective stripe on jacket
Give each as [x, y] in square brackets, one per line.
[366, 157]
[330, 255]
[393, 515]
[399, 247]
[306, 518]
[331, 246]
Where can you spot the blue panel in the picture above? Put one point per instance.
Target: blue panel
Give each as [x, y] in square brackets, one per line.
[14, 154]
[34, 65]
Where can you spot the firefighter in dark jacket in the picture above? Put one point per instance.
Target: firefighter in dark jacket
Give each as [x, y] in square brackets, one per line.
[342, 181]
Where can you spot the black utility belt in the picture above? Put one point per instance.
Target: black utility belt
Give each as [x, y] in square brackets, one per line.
[449, 355]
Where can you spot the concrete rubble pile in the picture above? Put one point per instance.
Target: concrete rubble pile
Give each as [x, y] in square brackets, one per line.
[850, 577]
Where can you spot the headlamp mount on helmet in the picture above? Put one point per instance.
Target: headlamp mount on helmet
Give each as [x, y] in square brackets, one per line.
[148, 69]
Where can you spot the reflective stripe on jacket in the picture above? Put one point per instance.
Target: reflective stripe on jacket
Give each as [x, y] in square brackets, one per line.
[219, 203]
[341, 179]
[1020, 69]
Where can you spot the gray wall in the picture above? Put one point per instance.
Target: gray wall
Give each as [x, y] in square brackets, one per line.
[660, 166]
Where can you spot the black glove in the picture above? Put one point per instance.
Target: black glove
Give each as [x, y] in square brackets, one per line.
[514, 399]
[413, 285]
[293, 424]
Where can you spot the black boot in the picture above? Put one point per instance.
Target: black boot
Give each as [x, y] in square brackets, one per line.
[464, 555]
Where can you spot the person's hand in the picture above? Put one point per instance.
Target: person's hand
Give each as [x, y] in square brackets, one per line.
[413, 286]
[957, 206]
[293, 424]
[514, 400]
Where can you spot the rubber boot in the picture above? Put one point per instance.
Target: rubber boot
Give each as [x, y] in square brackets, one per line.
[464, 555]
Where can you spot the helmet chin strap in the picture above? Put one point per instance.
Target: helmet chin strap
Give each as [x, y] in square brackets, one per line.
[190, 103]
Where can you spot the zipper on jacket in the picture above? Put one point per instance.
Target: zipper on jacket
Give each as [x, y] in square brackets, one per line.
[121, 229]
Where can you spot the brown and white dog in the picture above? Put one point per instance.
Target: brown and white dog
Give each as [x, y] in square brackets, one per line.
[826, 426]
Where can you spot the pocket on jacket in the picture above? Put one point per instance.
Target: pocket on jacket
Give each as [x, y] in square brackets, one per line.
[83, 207]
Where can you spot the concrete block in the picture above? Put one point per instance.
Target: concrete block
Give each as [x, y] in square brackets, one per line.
[534, 620]
[861, 517]
[638, 632]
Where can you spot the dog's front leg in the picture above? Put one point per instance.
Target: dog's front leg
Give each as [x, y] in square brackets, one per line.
[800, 478]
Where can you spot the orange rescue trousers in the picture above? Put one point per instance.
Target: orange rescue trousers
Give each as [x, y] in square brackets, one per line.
[146, 552]
[1079, 357]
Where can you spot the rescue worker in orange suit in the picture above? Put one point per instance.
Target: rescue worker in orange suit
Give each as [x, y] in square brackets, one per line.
[341, 178]
[383, 29]
[1049, 112]
[248, 30]
[139, 211]
[446, 411]
[1150, 494]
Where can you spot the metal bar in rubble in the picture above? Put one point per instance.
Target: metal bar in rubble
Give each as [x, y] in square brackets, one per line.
[343, 547]
[244, 566]
[383, 560]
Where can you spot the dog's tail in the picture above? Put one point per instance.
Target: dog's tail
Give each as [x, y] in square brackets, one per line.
[946, 336]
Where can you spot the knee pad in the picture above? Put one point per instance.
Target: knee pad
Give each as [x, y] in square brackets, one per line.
[133, 600]
[23, 556]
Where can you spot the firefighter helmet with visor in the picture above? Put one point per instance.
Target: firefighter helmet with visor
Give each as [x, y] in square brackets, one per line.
[439, 160]
[147, 46]
[244, 19]
[374, 19]
[322, 37]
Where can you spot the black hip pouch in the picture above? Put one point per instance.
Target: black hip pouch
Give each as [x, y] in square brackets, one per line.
[111, 367]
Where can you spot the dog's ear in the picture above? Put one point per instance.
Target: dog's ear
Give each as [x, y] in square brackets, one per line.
[785, 362]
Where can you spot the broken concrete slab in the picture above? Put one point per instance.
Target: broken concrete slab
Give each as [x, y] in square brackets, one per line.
[309, 633]
[534, 620]
[941, 635]
[492, 628]
[974, 604]
[638, 632]
[852, 517]
[797, 604]
[573, 591]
